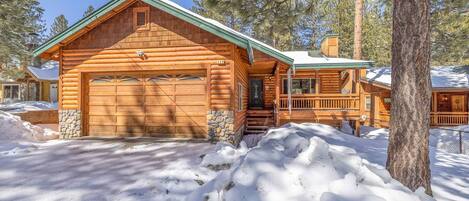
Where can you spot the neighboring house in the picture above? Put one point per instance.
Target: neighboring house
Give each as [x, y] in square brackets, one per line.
[38, 84]
[450, 92]
[10, 90]
[153, 68]
[44, 79]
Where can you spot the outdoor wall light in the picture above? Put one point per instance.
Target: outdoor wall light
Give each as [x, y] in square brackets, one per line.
[140, 53]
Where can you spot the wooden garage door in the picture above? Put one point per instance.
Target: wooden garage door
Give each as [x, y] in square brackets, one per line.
[152, 105]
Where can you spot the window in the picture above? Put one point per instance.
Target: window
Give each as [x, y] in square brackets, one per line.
[128, 79]
[367, 103]
[188, 77]
[141, 18]
[11, 92]
[300, 86]
[240, 96]
[102, 79]
[160, 78]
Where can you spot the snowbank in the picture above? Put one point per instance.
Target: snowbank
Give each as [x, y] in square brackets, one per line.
[17, 135]
[28, 106]
[291, 163]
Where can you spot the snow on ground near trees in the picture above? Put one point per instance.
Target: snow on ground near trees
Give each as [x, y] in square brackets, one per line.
[17, 136]
[294, 162]
[27, 106]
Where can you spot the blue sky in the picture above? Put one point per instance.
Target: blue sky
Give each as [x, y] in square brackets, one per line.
[74, 9]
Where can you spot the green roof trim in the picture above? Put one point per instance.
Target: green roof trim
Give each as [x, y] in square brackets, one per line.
[244, 42]
[77, 26]
[334, 65]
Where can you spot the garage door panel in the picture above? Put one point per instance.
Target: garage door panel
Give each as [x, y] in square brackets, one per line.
[156, 131]
[163, 119]
[191, 99]
[102, 100]
[102, 110]
[130, 110]
[165, 105]
[194, 89]
[130, 90]
[130, 100]
[131, 120]
[192, 110]
[101, 130]
[159, 100]
[102, 120]
[159, 90]
[102, 90]
[130, 131]
[159, 110]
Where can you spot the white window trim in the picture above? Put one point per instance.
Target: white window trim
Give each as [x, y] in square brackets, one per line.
[371, 103]
[240, 97]
[19, 91]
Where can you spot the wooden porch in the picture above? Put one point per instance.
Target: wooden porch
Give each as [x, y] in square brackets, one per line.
[437, 119]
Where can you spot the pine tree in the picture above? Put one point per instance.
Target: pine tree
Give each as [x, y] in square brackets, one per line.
[21, 30]
[60, 24]
[408, 151]
[450, 31]
[88, 11]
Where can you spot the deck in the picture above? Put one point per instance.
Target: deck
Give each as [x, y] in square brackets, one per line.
[436, 118]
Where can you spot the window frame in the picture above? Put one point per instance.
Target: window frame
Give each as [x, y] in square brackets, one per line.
[367, 105]
[11, 91]
[240, 97]
[313, 85]
[145, 10]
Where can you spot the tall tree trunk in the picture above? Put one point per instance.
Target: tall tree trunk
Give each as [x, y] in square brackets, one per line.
[357, 36]
[408, 158]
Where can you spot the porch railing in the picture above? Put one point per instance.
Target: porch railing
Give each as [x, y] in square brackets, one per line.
[321, 102]
[437, 118]
[449, 118]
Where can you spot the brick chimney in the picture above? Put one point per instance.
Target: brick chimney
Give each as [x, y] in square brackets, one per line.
[330, 46]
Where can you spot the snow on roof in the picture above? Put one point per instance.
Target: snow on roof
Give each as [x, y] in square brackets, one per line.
[442, 77]
[303, 58]
[48, 71]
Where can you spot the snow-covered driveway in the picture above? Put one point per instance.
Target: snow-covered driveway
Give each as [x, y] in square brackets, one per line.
[104, 170]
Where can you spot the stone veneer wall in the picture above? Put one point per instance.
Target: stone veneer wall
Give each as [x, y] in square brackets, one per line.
[221, 127]
[69, 124]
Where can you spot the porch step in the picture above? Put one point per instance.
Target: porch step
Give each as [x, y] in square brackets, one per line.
[258, 121]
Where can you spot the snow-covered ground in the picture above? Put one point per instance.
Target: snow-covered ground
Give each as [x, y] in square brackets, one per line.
[318, 162]
[294, 162]
[27, 106]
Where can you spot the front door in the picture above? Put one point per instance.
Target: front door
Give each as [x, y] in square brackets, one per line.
[457, 103]
[256, 93]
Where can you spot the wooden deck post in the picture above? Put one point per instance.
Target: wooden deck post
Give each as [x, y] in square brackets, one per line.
[277, 95]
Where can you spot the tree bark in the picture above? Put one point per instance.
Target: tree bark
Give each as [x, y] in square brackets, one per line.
[408, 153]
[357, 36]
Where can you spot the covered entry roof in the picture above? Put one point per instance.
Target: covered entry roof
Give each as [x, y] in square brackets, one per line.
[302, 60]
[206, 24]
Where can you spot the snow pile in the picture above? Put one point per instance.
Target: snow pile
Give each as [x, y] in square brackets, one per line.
[14, 129]
[28, 106]
[291, 163]
[224, 155]
[251, 140]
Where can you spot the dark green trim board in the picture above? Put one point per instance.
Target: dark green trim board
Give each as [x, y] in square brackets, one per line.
[229, 35]
[250, 53]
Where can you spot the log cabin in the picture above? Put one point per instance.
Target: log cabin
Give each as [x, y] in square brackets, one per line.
[450, 93]
[152, 68]
[38, 84]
